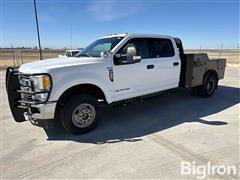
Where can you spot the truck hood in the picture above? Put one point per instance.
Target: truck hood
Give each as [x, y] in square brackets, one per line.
[42, 66]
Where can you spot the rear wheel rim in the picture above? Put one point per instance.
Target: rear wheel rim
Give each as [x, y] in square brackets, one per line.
[83, 115]
[210, 86]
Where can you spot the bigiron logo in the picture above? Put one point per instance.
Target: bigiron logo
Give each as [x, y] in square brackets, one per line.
[208, 169]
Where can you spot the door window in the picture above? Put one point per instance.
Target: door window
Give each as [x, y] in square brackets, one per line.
[159, 47]
[141, 47]
[68, 54]
[74, 53]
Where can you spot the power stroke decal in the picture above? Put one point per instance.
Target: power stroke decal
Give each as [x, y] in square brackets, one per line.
[110, 73]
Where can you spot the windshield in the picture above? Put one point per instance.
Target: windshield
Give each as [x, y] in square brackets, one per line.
[98, 46]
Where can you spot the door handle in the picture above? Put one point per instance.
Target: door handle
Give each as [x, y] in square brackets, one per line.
[175, 63]
[150, 66]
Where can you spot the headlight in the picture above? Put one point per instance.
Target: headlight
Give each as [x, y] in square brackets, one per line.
[41, 83]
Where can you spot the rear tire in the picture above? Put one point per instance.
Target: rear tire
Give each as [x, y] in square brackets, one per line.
[80, 114]
[208, 88]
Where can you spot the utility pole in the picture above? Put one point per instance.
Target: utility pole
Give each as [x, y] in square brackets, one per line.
[221, 51]
[71, 36]
[13, 55]
[39, 42]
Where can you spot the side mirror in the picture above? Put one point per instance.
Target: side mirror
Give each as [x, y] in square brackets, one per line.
[129, 58]
[104, 54]
[132, 55]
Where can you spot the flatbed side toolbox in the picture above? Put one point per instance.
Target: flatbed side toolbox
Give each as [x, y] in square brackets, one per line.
[12, 85]
[198, 64]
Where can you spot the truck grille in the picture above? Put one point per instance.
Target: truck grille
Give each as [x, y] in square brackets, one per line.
[26, 97]
[25, 89]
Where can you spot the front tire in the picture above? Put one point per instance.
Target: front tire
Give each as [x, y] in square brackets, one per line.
[80, 114]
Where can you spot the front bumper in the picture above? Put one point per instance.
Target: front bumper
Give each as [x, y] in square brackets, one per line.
[41, 111]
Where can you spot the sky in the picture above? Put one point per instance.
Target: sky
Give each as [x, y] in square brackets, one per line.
[76, 23]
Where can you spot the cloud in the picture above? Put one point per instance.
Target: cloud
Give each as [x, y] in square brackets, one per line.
[111, 10]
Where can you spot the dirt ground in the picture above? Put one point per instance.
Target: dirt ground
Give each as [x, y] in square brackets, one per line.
[11, 57]
[232, 56]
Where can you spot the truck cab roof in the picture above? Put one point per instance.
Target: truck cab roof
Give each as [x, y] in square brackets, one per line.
[137, 35]
[72, 50]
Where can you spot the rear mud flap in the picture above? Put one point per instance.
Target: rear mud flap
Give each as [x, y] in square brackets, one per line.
[12, 85]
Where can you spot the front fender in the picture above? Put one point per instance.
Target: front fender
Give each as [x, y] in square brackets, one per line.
[66, 80]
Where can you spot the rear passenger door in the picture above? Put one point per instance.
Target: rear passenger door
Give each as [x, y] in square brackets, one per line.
[167, 62]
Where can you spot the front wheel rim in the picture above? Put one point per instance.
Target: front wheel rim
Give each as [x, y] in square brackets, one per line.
[83, 115]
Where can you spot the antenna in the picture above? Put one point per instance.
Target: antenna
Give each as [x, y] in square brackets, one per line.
[39, 42]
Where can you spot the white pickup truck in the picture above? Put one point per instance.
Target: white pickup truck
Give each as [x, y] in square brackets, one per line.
[112, 69]
[70, 53]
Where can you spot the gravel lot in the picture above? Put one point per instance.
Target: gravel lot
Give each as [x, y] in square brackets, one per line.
[142, 140]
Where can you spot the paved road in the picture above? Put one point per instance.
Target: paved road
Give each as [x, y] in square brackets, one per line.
[142, 140]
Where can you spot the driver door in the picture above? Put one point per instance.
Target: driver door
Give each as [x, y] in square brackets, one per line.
[133, 79]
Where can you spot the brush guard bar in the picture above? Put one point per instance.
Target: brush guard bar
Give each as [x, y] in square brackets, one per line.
[20, 90]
